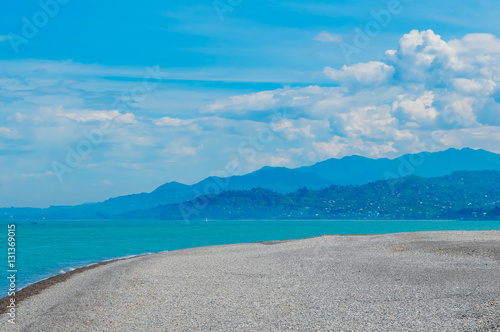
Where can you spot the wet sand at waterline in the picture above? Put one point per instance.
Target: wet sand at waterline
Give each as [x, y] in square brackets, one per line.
[427, 281]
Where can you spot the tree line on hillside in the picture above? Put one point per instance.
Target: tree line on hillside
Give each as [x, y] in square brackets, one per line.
[461, 195]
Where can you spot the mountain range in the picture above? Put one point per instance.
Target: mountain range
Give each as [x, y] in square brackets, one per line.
[352, 170]
[472, 195]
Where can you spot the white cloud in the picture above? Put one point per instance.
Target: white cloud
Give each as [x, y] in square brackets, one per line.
[340, 147]
[279, 161]
[91, 115]
[381, 109]
[268, 100]
[256, 101]
[366, 74]
[299, 129]
[461, 112]
[179, 148]
[417, 111]
[168, 121]
[477, 44]
[5, 131]
[418, 51]
[326, 37]
[18, 117]
[369, 122]
[389, 106]
[479, 87]
[485, 137]
[330, 149]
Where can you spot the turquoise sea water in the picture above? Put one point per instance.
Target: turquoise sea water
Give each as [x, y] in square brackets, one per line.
[47, 248]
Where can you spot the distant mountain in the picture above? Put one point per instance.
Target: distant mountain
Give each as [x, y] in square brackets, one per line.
[361, 170]
[472, 195]
[171, 192]
[345, 171]
[279, 179]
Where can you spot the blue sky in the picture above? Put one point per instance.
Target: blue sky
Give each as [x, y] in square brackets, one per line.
[189, 89]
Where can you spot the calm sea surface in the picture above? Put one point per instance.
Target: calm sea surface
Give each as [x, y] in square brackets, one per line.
[47, 248]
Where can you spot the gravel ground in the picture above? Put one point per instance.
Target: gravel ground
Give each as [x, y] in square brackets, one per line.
[429, 281]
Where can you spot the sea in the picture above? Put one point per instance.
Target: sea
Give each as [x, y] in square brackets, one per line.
[46, 248]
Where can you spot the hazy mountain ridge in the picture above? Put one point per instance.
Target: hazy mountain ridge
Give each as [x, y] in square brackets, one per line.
[345, 171]
[461, 195]
[362, 170]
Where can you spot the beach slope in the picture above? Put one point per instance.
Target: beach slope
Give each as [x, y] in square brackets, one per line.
[428, 281]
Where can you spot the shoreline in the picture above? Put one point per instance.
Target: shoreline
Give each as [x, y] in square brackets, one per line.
[39, 286]
[430, 280]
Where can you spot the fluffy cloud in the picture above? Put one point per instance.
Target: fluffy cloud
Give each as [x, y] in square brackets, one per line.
[369, 122]
[367, 74]
[423, 87]
[255, 101]
[417, 110]
[331, 149]
[267, 100]
[90, 115]
[168, 121]
[6, 132]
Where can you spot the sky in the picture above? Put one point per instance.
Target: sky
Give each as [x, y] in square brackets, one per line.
[106, 98]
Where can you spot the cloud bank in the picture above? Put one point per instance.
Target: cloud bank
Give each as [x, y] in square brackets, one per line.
[425, 94]
[396, 105]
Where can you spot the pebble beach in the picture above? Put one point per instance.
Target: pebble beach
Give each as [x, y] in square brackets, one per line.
[426, 281]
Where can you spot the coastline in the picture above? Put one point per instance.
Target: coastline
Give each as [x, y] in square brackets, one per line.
[455, 271]
[39, 286]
